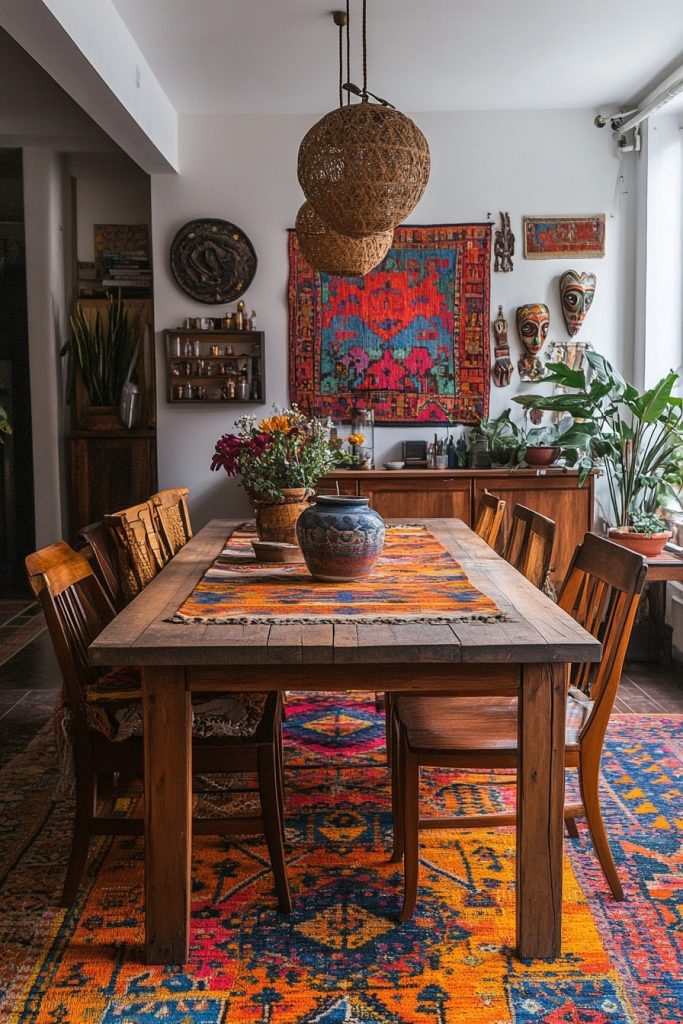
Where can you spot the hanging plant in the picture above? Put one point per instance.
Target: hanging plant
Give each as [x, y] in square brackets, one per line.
[105, 351]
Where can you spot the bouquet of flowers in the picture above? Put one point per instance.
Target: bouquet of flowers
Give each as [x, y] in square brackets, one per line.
[285, 451]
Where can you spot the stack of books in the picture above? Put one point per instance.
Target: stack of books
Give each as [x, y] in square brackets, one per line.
[129, 270]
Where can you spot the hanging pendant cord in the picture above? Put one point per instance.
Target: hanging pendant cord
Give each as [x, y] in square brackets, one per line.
[341, 67]
[348, 49]
[365, 52]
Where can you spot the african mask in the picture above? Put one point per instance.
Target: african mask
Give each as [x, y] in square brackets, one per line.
[576, 295]
[533, 321]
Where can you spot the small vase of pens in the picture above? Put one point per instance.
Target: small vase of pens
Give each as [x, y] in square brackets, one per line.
[447, 453]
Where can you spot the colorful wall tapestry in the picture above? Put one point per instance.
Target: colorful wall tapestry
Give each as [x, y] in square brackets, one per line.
[555, 238]
[410, 339]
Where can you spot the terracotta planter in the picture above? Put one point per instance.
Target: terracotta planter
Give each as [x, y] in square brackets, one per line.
[648, 547]
[276, 521]
[541, 456]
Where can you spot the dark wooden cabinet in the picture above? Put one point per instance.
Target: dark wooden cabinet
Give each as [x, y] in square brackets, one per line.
[109, 471]
[404, 493]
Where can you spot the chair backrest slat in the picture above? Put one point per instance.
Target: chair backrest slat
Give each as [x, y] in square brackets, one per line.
[529, 545]
[490, 512]
[601, 591]
[76, 610]
[96, 543]
[141, 550]
[172, 517]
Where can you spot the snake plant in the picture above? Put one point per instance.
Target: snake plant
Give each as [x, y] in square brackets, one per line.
[105, 350]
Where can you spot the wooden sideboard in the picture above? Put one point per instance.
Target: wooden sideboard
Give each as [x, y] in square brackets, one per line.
[435, 493]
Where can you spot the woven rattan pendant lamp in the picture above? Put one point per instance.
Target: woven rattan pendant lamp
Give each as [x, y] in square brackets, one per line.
[330, 252]
[364, 166]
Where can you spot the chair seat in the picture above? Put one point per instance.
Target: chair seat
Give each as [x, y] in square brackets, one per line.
[470, 725]
[114, 708]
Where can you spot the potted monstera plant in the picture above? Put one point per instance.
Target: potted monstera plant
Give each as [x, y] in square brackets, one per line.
[635, 437]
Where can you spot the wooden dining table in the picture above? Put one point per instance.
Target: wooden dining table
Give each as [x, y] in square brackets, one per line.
[527, 653]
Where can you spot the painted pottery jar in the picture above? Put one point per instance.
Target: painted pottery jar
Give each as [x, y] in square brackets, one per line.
[341, 538]
[276, 520]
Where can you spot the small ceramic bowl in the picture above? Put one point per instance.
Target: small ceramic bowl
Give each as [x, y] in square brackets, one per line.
[394, 465]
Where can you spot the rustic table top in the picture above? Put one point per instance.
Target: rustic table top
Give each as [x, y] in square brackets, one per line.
[536, 630]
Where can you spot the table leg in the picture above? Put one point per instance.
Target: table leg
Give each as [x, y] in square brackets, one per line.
[168, 814]
[540, 805]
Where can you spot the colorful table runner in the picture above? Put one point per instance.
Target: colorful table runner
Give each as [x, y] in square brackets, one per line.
[415, 580]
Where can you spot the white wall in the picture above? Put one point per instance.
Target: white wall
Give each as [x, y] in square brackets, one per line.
[46, 217]
[110, 189]
[243, 169]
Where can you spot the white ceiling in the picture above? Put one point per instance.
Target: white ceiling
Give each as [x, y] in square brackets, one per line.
[279, 56]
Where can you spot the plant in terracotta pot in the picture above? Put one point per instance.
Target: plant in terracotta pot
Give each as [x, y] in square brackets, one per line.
[103, 351]
[279, 460]
[634, 437]
[501, 437]
[545, 444]
[647, 534]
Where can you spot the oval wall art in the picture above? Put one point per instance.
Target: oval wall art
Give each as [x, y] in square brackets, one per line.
[212, 260]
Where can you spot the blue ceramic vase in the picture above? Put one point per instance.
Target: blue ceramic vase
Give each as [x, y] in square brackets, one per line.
[341, 538]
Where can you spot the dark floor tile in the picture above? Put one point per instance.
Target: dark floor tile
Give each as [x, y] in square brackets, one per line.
[35, 667]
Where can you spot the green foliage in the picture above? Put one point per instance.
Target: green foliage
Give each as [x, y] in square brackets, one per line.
[637, 437]
[647, 522]
[104, 350]
[503, 439]
[5, 426]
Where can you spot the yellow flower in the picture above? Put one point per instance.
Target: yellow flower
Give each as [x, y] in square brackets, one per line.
[276, 425]
[356, 439]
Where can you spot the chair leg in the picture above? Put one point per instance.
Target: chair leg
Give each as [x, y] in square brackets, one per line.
[589, 777]
[389, 725]
[272, 814]
[280, 775]
[572, 830]
[410, 775]
[397, 800]
[86, 802]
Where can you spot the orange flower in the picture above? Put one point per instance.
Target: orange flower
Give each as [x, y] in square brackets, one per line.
[356, 439]
[277, 425]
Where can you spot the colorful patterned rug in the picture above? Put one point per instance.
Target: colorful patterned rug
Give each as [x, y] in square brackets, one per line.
[410, 339]
[414, 580]
[342, 958]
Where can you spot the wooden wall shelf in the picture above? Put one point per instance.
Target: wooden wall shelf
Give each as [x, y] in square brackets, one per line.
[214, 367]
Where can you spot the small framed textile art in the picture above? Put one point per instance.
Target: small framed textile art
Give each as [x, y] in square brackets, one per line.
[556, 238]
[410, 339]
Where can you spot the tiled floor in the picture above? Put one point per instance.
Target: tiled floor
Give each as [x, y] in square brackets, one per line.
[30, 678]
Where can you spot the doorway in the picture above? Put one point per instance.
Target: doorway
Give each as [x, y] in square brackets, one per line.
[17, 519]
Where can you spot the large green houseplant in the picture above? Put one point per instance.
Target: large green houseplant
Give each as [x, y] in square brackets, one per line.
[636, 437]
[104, 351]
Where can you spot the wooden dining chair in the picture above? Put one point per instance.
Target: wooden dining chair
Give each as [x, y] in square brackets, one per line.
[529, 545]
[141, 551]
[601, 591]
[96, 543]
[489, 518]
[169, 508]
[103, 712]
